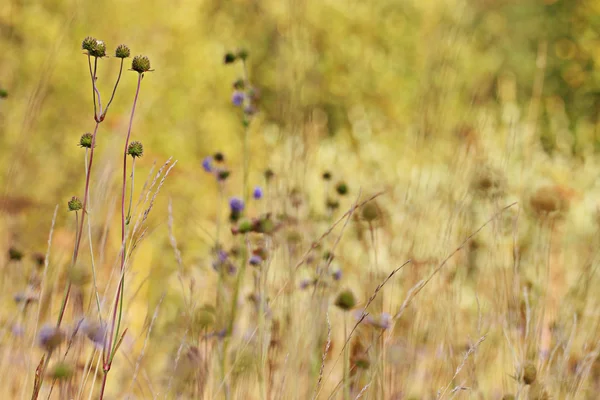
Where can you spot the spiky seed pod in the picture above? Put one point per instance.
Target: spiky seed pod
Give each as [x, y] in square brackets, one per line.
[86, 141]
[61, 371]
[15, 254]
[342, 188]
[345, 300]
[229, 58]
[370, 212]
[75, 204]
[135, 149]
[88, 44]
[529, 373]
[140, 64]
[98, 49]
[122, 51]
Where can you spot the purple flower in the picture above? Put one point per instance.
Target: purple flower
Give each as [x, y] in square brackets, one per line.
[258, 193]
[236, 205]
[255, 260]
[237, 98]
[50, 337]
[207, 164]
[337, 275]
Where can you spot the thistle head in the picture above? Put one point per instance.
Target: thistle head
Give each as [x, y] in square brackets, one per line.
[135, 149]
[140, 64]
[75, 204]
[122, 51]
[345, 300]
[86, 140]
[94, 47]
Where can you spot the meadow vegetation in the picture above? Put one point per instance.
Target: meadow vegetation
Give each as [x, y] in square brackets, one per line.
[299, 199]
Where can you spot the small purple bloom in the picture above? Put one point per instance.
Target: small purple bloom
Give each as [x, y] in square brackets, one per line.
[255, 260]
[222, 256]
[337, 275]
[236, 204]
[207, 164]
[258, 193]
[237, 98]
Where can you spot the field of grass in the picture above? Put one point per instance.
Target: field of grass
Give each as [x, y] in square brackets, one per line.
[299, 199]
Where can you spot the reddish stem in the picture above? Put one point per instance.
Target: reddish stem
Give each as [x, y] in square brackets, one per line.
[108, 350]
[83, 214]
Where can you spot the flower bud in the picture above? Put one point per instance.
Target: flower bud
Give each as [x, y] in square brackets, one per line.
[135, 149]
[345, 300]
[86, 140]
[122, 51]
[75, 204]
[140, 64]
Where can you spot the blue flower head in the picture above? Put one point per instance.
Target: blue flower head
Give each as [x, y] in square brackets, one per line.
[237, 98]
[255, 260]
[236, 205]
[258, 193]
[207, 164]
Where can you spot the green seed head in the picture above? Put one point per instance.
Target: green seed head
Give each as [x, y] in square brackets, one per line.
[242, 54]
[341, 188]
[122, 51]
[529, 373]
[61, 371]
[135, 149]
[346, 300]
[75, 204]
[88, 44]
[370, 212]
[86, 141]
[3, 93]
[140, 64]
[95, 48]
[229, 58]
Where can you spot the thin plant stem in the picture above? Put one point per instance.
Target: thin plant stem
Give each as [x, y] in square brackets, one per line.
[80, 231]
[128, 218]
[119, 298]
[346, 362]
[96, 295]
[114, 91]
[93, 77]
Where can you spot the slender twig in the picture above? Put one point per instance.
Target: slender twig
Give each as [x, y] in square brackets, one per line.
[114, 91]
[111, 348]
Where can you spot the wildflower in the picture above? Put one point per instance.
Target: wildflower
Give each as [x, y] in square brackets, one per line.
[237, 98]
[229, 58]
[341, 188]
[223, 174]
[122, 51]
[305, 283]
[529, 373]
[15, 254]
[140, 64]
[135, 149]
[86, 140]
[258, 193]
[219, 157]
[337, 275]
[75, 204]
[236, 205]
[269, 174]
[207, 164]
[94, 47]
[95, 331]
[50, 337]
[255, 260]
[345, 300]
[383, 321]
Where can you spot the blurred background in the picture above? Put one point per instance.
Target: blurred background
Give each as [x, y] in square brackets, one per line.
[454, 108]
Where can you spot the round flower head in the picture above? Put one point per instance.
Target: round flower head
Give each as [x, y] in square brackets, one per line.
[255, 260]
[341, 188]
[135, 149]
[122, 51]
[236, 205]
[257, 193]
[50, 337]
[3, 93]
[229, 58]
[219, 157]
[15, 254]
[222, 174]
[95, 331]
[207, 164]
[140, 64]
[88, 44]
[237, 98]
[95, 48]
[346, 300]
[75, 204]
[86, 140]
